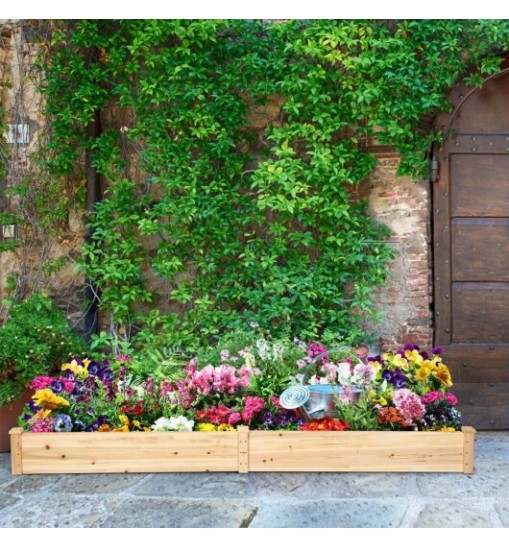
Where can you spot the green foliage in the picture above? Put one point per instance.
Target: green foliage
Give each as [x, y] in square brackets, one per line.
[241, 224]
[34, 341]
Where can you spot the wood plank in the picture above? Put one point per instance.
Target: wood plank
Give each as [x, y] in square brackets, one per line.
[486, 109]
[479, 187]
[130, 452]
[477, 362]
[485, 406]
[478, 310]
[356, 451]
[16, 451]
[94, 452]
[468, 449]
[480, 249]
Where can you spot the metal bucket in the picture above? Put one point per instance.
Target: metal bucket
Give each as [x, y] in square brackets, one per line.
[317, 400]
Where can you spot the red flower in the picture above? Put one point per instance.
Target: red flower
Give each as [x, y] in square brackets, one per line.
[326, 423]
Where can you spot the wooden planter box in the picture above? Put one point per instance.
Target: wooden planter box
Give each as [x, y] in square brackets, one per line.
[241, 451]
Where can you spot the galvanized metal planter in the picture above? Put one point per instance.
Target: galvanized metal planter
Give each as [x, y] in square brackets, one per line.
[241, 451]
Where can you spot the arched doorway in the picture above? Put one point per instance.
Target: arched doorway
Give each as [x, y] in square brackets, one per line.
[471, 250]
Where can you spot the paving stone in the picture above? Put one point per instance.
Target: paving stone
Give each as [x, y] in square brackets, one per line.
[455, 514]
[5, 464]
[96, 483]
[502, 509]
[356, 485]
[142, 512]
[196, 486]
[26, 485]
[351, 513]
[56, 511]
[6, 501]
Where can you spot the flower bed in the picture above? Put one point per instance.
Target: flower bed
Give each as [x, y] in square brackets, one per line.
[265, 405]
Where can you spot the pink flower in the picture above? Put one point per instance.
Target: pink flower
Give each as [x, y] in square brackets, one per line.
[408, 404]
[41, 382]
[451, 398]
[43, 425]
[252, 405]
[123, 358]
[430, 397]
[234, 418]
[67, 384]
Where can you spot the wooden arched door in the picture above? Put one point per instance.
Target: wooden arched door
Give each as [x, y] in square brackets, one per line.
[471, 251]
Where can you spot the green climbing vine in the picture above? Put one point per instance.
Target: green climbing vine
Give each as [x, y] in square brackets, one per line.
[210, 219]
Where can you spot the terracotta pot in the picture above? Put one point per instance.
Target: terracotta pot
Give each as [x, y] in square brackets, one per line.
[362, 353]
[8, 418]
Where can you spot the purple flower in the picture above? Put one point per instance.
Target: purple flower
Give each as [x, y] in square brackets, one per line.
[106, 375]
[437, 350]
[57, 387]
[63, 423]
[93, 368]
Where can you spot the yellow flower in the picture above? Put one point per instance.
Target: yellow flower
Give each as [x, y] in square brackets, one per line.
[447, 429]
[422, 374]
[206, 427]
[225, 428]
[400, 361]
[104, 428]
[76, 368]
[136, 424]
[47, 399]
[382, 401]
[442, 373]
[414, 356]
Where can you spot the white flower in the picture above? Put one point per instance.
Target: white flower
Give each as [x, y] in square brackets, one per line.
[181, 424]
[161, 425]
[344, 373]
[263, 348]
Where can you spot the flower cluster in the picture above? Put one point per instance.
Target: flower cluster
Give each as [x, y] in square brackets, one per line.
[241, 385]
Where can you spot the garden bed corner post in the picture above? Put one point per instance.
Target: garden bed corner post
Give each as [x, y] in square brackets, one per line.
[16, 454]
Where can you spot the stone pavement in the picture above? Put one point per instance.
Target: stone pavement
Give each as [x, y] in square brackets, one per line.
[269, 500]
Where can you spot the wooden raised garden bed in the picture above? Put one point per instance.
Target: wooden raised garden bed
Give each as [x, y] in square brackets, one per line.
[242, 451]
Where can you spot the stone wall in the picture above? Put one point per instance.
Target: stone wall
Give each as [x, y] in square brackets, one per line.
[41, 262]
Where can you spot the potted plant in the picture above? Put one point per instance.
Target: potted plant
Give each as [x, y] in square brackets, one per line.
[33, 342]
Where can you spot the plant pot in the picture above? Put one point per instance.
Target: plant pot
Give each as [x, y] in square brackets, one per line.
[362, 353]
[8, 419]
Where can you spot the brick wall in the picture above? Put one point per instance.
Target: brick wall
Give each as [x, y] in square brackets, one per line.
[405, 302]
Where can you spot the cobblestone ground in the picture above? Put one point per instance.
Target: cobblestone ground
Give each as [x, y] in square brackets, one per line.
[270, 500]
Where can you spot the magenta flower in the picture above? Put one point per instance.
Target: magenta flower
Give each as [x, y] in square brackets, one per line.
[41, 382]
[43, 425]
[430, 397]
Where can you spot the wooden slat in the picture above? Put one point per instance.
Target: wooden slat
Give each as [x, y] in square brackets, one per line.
[130, 452]
[479, 249]
[486, 109]
[479, 311]
[479, 187]
[356, 451]
[485, 406]
[477, 362]
[266, 452]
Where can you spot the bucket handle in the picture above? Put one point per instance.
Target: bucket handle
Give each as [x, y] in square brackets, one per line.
[345, 349]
